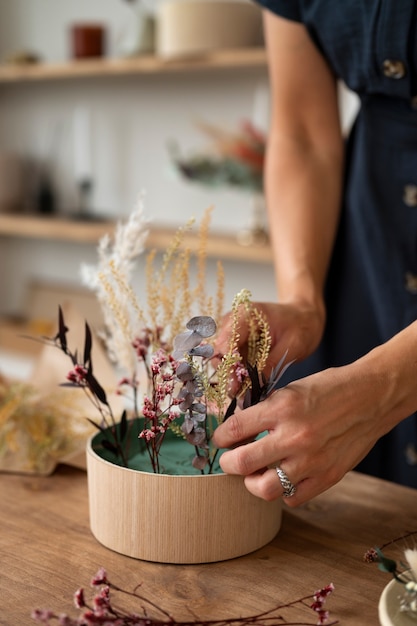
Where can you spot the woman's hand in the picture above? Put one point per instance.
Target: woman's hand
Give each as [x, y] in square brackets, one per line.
[296, 329]
[318, 428]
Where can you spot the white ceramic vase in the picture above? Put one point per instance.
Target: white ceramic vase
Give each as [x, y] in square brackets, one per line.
[138, 34]
[389, 612]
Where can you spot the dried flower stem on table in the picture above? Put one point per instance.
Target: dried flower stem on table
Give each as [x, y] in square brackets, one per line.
[404, 572]
[102, 611]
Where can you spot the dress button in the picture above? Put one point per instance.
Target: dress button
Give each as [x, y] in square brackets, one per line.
[411, 283]
[410, 195]
[393, 69]
[413, 102]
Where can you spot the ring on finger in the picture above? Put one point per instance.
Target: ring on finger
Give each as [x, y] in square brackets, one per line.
[286, 484]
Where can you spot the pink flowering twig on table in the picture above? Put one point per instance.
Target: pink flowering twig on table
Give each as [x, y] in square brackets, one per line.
[101, 611]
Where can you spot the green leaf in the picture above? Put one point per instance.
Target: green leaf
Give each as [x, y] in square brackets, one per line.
[385, 564]
[123, 425]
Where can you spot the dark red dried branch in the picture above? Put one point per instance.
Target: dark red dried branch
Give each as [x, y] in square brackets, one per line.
[101, 611]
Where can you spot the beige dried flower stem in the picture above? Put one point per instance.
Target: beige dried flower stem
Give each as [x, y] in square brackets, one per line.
[220, 292]
[260, 339]
[159, 302]
[118, 327]
[229, 360]
[202, 262]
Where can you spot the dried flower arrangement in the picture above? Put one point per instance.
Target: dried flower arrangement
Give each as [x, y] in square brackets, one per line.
[172, 378]
[404, 571]
[234, 159]
[102, 611]
[37, 430]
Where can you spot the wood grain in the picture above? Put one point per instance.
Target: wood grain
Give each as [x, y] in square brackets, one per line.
[47, 552]
[177, 519]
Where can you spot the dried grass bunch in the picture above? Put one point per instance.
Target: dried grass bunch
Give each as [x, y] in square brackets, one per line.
[37, 430]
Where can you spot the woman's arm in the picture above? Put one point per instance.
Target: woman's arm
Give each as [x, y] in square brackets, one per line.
[303, 167]
[320, 426]
[303, 182]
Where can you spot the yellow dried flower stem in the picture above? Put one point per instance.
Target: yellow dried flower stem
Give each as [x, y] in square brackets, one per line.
[259, 340]
[262, 344]
[178, 301]
[119, 322]
[127, 289]
[232, 356]
[172, 250]
[220, 292]
[113, 303]
[176, 430]
[202, 258]
[7, 410]
[152, 294]
[259, 337]
[224, 371]
[159, 303]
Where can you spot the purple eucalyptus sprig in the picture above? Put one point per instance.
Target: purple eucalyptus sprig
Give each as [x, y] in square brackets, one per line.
[199, 389]
[189, 347]
[101, 610]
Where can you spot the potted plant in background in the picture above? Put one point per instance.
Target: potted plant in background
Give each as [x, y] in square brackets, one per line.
[233, 159]
[156, 491]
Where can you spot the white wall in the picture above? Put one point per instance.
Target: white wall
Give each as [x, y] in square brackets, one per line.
[43, 25]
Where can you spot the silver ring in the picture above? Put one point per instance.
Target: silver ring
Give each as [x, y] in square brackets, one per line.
[288, 487]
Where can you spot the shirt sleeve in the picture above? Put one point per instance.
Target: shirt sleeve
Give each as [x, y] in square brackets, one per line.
[289, 9]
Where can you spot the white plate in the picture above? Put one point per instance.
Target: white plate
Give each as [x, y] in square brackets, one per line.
[389, 607]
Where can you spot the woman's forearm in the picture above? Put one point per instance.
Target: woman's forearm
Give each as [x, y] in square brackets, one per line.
[303, 190]
[388, 376]
[304, 163]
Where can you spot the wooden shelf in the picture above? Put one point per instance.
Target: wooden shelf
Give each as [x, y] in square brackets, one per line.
[219, 246]
[219, 59]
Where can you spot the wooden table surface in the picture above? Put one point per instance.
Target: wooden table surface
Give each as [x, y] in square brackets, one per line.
[47, 552]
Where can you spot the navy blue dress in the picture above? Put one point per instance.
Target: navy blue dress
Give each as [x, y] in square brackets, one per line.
[371, 290]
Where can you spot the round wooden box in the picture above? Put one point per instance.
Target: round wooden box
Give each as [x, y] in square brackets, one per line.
[176, 518]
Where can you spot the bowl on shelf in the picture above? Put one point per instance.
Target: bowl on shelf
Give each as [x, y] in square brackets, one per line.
[190, 28]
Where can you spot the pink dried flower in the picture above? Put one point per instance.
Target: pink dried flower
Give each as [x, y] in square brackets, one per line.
[127, 381]
[100, 578]
[159, 359]
[65, 620]
[42, 615]
[78, 375]
[79, 599]
[371, 556]
[323, 617]
[102, 599]
[319, 599]
[105, 613]
[141, 344]
[147, 434]
[322, 594]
